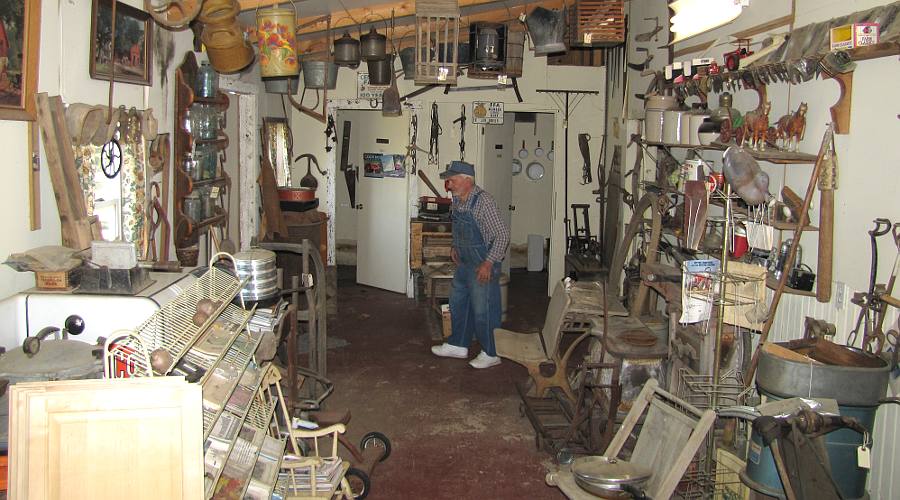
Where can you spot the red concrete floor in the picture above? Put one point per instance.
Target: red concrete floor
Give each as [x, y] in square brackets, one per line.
[456, 432]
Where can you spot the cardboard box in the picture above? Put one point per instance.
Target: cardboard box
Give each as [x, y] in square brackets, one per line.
[854, 35]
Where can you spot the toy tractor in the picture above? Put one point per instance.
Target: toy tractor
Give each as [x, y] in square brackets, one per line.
[733, 58]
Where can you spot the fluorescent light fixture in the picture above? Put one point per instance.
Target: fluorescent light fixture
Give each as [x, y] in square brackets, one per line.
[693, 17]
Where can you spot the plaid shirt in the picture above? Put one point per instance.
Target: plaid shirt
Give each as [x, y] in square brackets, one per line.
[494, 230]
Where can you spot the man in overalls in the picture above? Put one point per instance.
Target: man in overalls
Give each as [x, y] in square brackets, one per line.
[480, 240]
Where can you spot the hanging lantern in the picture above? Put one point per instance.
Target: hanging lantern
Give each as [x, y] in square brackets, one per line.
[277, 43]
[487, 42]
[346, 51]
[373, 46]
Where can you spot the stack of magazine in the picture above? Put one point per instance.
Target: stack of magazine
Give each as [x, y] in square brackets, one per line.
[266, 469]
[328, 475]
[265, 318]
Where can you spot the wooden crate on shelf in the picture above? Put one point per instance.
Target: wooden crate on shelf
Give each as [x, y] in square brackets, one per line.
[597, 23]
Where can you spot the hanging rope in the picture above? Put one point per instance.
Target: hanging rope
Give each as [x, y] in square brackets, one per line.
[434, 154]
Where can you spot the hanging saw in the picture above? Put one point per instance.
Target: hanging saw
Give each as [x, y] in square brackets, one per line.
[462, 133]
[586, 158]
[434, 154]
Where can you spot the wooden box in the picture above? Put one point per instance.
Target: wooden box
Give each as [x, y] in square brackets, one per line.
[66, 279]
[445, 320]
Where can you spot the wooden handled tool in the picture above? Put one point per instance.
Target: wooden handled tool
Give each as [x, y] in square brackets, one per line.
[827, 184]
[430, 185]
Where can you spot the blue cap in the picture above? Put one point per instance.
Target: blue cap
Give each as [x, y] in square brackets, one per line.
[457, 168]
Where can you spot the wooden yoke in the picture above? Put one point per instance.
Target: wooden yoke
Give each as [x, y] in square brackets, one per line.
[840, 112]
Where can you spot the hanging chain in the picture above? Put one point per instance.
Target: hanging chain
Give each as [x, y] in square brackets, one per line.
[462, 133]
[434, 154]
[412, 148]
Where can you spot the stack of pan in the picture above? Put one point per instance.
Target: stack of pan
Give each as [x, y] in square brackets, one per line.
[258, 267]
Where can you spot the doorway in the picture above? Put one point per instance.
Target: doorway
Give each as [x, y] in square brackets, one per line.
[519, 159]
[372, 229]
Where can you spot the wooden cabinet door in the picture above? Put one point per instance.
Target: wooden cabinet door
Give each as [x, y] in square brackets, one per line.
[107, 439]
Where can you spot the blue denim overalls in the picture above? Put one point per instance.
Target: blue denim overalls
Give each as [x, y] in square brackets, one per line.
[474, 306]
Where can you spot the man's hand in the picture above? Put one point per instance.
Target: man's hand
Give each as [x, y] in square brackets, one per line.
[454, 256]
[484, 271]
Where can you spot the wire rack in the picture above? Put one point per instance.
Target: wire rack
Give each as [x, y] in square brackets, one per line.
[721, 483]
[172, 327]
[239, 354]
[699, 390]
[739, 289]
[232, 320]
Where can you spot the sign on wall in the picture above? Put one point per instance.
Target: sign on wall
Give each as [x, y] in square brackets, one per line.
[490, 113]
[365, 90]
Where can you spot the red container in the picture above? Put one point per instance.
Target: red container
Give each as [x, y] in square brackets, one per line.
[740, 245]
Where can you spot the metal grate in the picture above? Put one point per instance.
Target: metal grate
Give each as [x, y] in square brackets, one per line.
[598, 23]
[172, 328]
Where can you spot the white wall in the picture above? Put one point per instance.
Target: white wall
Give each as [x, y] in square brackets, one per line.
[533, 199]
[64, 49]
[587, 117]
[867, 185]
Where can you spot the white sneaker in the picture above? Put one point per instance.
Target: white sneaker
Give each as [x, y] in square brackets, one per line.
[446, 350]
[484, 361]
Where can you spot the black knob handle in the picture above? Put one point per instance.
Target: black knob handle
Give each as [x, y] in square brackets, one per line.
[74, 324]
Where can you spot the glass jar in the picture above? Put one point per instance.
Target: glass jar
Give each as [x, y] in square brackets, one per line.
[204, 121]
[207, 84]
[207, 160]
[191, 167]
[207, 204]
[193, 208]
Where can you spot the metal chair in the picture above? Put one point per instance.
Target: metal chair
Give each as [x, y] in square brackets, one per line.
[670, 436]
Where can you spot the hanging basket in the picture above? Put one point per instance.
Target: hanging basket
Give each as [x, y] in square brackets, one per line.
[277, 42]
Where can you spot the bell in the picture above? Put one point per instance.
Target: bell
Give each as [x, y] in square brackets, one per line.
[346, 51]
[373, 46]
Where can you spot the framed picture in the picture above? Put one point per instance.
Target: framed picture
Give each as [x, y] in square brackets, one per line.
[20, 32]
[130, 53]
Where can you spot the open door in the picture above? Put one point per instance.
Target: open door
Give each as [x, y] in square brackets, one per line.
[382, 219]
[496, 168]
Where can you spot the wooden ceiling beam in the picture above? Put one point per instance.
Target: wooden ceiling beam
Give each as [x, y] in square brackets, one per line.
[405, 26]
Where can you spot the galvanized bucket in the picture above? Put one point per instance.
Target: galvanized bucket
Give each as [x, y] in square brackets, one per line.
[380, 71]
[277, 43]
[287, 85]
[547, 29]
[408, 62]
[319, 74]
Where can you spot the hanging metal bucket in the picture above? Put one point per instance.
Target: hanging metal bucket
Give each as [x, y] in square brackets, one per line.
[408, 62]
[380, 71]
[346, 51]
[226, 48]
[319, 74]
[287, 85]
[373, 46]
[547, 29]
[277, 42]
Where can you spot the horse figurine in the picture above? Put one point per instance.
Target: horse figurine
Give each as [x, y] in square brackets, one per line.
[791, 128]
[756, 126]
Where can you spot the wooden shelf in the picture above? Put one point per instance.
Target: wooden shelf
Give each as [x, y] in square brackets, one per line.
[791, 226]
[772, 284]
[215, 181]
[882, 49]
[780, 157]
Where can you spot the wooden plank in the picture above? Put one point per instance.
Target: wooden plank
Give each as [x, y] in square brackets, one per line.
[61, 163]
[34, 177]
[764, 27]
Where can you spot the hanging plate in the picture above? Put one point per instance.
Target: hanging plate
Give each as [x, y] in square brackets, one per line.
[535, 171]
[516, 166]
[111, 159]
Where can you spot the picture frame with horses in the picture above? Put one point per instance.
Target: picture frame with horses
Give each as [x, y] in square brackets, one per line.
[20, 32]
[126, 55]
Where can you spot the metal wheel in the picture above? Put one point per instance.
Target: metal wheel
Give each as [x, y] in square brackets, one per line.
[377, 439]
[359, 482]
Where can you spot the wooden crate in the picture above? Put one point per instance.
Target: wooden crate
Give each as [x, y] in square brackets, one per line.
[67, 279]
[598, 23]
[437, 36]
[445, 321]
